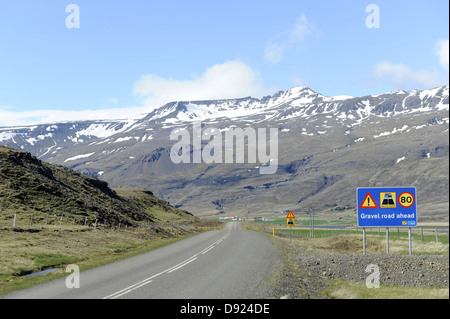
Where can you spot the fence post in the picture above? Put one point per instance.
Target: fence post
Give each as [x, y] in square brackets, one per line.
[387, 240]
[46, 220]
[14, 222]
[32, 217]
[437, 239]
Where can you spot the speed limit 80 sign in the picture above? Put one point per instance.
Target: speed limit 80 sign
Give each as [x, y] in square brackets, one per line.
[406, 199]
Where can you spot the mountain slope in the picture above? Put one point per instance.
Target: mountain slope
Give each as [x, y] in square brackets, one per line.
[327, 147]
[30, 186]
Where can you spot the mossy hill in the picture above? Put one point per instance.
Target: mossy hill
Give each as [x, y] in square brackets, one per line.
[31, 187]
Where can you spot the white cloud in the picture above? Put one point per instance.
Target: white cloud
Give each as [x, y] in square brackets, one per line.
[442, 52]
[274, 51]
[302, 28]
[113, 100]
[293, 37]
[298, 81]
[232, 79]
[401, 76]
[11, 118]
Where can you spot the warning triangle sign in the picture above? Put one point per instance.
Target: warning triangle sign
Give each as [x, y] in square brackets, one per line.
[290, 215]
[368, 202]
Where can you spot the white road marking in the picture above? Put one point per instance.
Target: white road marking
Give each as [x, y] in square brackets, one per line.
[169, 270]
[129, 290]
[182, 265]
[205, 251]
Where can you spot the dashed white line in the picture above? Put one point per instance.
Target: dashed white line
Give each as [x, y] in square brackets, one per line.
[169, 270]
[181, 263]
[184, 264]
[205, 251]
[131, 288]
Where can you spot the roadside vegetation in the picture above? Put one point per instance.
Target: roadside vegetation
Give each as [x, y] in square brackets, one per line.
[29, 250]
[325, 266]
[52, 216]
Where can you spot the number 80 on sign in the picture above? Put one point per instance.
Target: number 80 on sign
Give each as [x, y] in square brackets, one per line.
[406, 199]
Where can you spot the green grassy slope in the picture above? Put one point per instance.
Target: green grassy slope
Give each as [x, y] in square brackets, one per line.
[29, 187]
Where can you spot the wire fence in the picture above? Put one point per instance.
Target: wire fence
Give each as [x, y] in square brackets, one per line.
[424, 233]
[17, 221]
[37, 219]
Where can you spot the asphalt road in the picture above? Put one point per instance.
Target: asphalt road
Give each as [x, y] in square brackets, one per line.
[228, 264]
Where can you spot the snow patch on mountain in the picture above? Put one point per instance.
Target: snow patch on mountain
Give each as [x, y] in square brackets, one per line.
[395, 130]
[107, 129]
[78, 157]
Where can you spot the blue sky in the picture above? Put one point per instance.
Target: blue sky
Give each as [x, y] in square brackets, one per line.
[128, 57]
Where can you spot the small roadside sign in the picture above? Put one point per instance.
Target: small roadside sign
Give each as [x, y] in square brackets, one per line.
[387, 207]
[290, 219]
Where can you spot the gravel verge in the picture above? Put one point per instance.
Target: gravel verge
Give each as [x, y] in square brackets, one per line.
[395, 270]
[306, 275]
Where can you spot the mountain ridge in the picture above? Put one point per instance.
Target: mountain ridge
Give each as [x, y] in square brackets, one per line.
[321, 141]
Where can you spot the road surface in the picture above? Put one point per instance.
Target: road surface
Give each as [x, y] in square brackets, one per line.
[228, 264]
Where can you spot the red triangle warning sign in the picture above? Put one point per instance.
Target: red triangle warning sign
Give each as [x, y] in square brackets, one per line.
[368, 202]
[290, 215]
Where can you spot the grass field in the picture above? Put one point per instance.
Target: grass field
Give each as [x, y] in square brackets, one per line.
[425, 239]
[423, 244]
[344, 289]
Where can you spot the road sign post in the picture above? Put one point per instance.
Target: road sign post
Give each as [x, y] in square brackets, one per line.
[386, 207]
[409, 239]
[364, 240]
[290, 222]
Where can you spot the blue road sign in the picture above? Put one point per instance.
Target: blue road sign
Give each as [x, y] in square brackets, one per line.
[387, 207]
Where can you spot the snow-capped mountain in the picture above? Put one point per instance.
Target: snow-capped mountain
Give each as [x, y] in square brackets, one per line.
[299, 103]
[321, 140]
